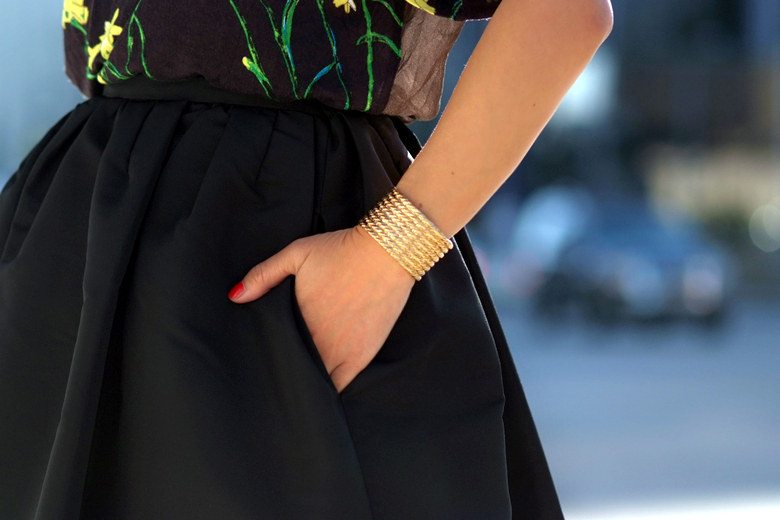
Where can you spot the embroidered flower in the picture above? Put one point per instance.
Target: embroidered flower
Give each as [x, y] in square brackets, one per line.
[106, 43]
[348, 4]
[101, 79]
[74, 10]
[422, 4]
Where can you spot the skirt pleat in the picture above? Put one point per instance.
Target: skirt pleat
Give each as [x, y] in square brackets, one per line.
[132, 388]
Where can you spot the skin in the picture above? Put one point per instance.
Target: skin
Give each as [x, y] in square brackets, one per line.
[349, 289]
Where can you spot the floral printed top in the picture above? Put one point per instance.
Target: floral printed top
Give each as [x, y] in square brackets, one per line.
[377, 56]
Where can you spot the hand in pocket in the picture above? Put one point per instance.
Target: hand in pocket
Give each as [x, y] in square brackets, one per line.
[349, 289]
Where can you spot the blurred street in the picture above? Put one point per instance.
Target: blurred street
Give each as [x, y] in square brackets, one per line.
[641, 413]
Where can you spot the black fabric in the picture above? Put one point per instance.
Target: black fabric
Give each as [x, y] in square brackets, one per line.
[132, 388]
[462, 9]
[530, 483]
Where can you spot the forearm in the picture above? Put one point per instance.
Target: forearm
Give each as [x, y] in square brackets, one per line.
[529, 55]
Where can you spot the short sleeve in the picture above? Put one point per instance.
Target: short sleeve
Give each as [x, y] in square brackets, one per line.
[458, 9]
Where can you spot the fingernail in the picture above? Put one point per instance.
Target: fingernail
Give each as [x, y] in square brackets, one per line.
[236, 291]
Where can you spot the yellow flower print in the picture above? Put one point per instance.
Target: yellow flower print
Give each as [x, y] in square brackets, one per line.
[100, 77]
[93, 52]
[348, 4]
[74, 10]
[422, 4]
[106, 43]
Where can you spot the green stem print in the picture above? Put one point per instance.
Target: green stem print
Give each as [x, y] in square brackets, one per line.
[283, 37]
[253, 64]
[76, 14]
[135, 22]
[369, 38]
[80, 28]
[455, 8]
[392, 12]
[109, 67]
[333, 64]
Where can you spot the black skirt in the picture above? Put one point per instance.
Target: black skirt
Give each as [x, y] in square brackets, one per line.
[132, 388]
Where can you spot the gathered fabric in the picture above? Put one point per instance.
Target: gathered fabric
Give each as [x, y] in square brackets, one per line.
[131, 387]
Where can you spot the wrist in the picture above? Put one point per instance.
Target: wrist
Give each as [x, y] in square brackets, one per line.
[423, 200]
[377, 256]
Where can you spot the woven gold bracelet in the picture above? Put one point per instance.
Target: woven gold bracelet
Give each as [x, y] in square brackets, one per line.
[406, 233]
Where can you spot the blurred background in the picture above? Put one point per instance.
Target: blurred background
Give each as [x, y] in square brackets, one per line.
[634, 256]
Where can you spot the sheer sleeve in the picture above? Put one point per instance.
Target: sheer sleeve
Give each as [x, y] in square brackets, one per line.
[458, 9]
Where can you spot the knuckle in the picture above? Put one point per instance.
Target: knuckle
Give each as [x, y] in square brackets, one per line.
[257, 274]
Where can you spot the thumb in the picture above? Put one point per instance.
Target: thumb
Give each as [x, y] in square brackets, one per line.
[269, 273]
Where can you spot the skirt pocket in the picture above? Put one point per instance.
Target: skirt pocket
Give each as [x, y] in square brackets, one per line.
[426, 413]
[306, 335]
[440, 349]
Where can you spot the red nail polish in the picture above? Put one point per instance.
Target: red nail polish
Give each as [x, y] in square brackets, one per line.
[236, 290]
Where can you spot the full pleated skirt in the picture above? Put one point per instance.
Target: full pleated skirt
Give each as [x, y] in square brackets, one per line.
[132, 388]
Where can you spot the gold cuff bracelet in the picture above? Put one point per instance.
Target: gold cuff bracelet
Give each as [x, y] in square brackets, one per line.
[406, 233]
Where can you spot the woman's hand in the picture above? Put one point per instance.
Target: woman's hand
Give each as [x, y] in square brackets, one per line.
[349, 289]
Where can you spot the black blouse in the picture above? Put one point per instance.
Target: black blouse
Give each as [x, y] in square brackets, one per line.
[377, 56]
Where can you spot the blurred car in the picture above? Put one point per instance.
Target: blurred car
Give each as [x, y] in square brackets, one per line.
[545, 225]
[613, 257]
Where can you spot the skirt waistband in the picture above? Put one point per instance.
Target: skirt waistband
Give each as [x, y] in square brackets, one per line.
[199, 90]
